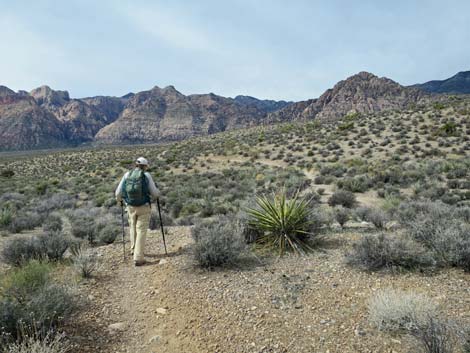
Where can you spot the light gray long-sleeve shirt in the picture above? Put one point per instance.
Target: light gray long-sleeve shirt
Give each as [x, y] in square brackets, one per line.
[154, 192]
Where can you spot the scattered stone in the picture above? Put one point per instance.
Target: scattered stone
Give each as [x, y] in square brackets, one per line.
[161, 311]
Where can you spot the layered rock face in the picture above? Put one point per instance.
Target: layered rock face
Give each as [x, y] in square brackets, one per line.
[166, 114]
[25, 125]
[81, 118]
[362, 93]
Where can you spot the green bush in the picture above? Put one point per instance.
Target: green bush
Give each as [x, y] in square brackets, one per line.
[217, 242]
[6, 217]
[285, 224]
[342, 198]
[30, 301]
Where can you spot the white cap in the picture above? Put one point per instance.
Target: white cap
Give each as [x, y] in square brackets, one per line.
[142, 161]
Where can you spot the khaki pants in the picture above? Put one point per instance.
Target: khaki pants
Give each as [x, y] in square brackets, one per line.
[139, 219]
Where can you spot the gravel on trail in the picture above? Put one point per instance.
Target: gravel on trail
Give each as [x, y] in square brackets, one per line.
[291, 304]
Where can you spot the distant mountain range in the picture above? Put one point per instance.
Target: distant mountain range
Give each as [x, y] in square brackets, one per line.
[46, 118]
[457, 84]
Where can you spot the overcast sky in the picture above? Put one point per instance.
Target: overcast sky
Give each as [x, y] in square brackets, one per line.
[275, 49]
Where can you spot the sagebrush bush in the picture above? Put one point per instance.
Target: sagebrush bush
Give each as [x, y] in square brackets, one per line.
[342, 215]
[50, 246]
[377, 217]
[53, 245]
[386, 251]
[399, 311]
[321, 218]
[25, 221]
[442, 229]
[84, 228]
[52, 223]
[108, 234]
[217, 242]
[342, 198]
[19, 250]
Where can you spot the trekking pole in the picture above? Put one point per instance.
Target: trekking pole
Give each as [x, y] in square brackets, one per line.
[123, 235]
[161, 224]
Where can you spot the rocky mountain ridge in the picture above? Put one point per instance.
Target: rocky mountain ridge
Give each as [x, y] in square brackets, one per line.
[361, 93]
[49, 118]
[457, 84]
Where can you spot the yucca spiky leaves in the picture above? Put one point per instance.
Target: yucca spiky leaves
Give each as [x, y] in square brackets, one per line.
[284, 223]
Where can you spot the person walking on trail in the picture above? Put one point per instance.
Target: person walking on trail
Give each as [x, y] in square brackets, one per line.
[137, 189]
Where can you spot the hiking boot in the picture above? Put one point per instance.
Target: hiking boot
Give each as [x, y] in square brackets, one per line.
[139, 262]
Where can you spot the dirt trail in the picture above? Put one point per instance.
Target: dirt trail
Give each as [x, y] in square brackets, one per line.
[134, 309]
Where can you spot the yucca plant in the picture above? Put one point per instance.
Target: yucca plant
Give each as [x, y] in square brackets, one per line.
[284, 223]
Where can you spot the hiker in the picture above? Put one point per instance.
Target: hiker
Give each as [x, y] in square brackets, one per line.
[136, 189]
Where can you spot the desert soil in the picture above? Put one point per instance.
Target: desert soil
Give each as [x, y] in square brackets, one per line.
[291, 304]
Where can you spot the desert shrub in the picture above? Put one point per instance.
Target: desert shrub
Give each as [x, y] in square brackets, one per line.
[108, 234]
[20, 250]
[342, 198]
[58, 201]
[385, 251]
[440, 228]
[434, 336]
[321, 218]
[398, 311]
[52, 223]
[50, 343]
[217, 242]
[52, 245]
[361, 213]
[25, 221]
[285, 223]
[355, 184]
[84, 227]
[155, 220]
[85, 262]
[342, 215]
[377, 217]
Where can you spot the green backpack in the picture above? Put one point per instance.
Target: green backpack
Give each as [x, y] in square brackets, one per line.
[135, 188]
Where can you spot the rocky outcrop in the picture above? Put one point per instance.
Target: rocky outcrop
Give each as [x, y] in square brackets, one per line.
[457, 84]
[166, 114]
[25, 125]
[362, 93]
